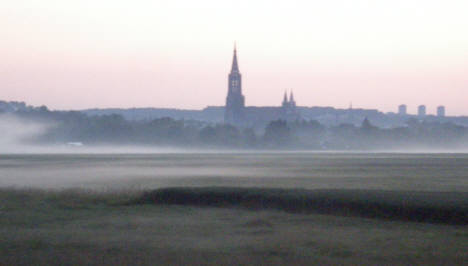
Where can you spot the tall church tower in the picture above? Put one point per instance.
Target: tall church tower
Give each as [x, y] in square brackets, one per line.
[234, 110]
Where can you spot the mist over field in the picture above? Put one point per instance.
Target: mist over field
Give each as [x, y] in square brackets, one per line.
[102, 190]
[18, 135]
[64, 202]
[387, 171]
[223, 207]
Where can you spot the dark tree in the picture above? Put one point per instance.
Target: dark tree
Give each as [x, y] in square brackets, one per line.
[278, 133]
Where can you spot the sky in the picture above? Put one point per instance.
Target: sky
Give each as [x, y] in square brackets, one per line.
[113, 53]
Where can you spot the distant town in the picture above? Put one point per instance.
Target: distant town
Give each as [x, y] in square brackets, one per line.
[236, 125]
[236, 113]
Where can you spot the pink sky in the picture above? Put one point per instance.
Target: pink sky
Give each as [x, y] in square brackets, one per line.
[375, 54]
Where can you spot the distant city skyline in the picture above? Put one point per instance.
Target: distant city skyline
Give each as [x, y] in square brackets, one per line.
[375, 54]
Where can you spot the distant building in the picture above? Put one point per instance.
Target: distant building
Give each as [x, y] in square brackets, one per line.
[235, 101]
[402, 109]
[236, 113]
[422, 110]
[288, 107]
[441, 111]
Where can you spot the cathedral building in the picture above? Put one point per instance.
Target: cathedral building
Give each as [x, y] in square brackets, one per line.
[236, 113]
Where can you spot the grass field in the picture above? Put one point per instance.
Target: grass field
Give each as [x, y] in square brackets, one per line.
[78, 227]
[64, 223]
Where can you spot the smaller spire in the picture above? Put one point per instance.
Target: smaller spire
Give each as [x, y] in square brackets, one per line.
[285, 99]
[292, 103]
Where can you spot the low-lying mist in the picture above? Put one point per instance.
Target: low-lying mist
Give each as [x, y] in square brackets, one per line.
[383, 171]
[18, 135]
[24, 136]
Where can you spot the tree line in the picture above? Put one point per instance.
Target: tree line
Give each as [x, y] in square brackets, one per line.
[73, 126]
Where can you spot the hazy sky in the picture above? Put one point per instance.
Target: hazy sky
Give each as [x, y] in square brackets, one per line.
[116, 53]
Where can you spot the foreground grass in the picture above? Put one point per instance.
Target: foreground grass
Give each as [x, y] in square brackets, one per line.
[73, 227]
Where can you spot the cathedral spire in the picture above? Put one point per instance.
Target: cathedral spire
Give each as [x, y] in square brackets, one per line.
[292, 103]
[285, 98]
[235, 101]
[235, 66]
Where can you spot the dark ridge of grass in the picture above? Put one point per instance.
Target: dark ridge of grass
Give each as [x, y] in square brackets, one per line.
[430, 207]
[30, 198]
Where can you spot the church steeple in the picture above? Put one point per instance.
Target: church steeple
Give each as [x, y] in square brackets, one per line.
[285, 99]
[235, 66]
[235, 101]
[292, 103]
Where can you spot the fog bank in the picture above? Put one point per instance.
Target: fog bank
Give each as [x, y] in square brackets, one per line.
[18, 135]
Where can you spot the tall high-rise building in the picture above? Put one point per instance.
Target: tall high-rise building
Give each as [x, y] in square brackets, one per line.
[234, 112]
[421, 110]
[441, 111]
[402, 109]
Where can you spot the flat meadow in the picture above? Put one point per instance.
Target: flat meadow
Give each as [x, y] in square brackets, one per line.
[233, 208]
